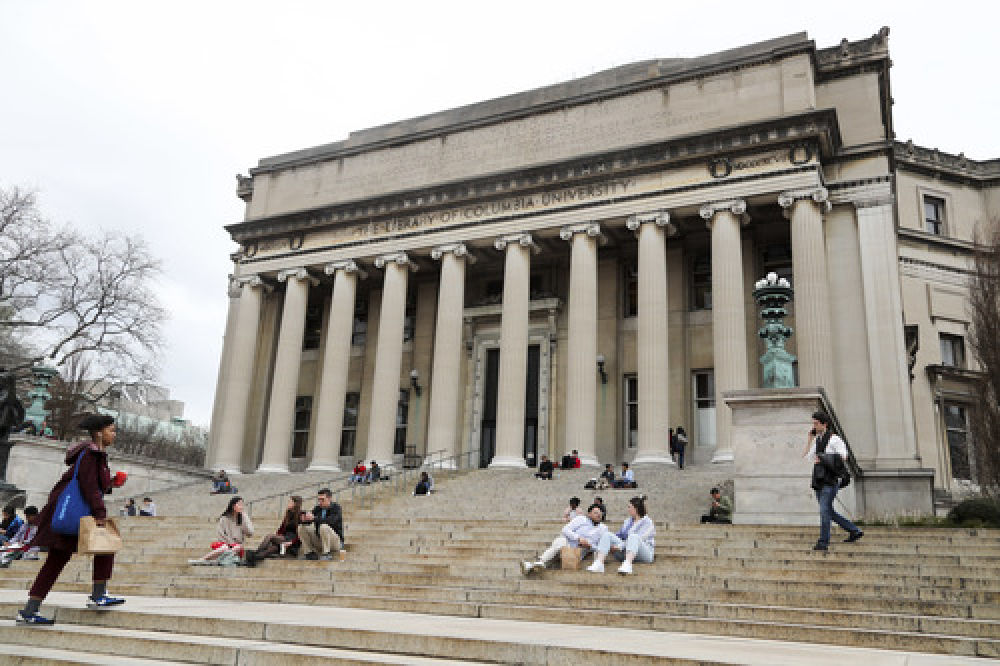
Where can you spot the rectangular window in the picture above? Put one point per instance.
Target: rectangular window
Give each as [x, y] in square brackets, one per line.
[933, 215]
[314, 326]
[300, 432]
[957, 431]
[777, 258]
[349, 431]
[704, 389]
[631, 297]
[402, 414]
[952, 350]
[359, 332]
[701, 282]
[631, 411]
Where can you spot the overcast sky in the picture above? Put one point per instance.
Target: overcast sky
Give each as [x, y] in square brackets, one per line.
[136, 116]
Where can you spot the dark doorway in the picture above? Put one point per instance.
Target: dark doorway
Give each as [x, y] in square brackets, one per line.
[488, 425]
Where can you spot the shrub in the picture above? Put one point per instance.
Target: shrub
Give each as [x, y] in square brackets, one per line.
[976, 512]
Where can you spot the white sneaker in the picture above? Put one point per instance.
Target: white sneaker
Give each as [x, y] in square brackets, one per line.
[596, 567]
[526, 567]
[625, 569]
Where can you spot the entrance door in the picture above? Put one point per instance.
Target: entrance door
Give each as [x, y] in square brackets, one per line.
[704, 408]
[488, 425]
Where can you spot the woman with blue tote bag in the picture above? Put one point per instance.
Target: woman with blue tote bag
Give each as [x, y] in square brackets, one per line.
[88, 467]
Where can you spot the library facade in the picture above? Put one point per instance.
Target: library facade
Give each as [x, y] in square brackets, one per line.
[571, 268]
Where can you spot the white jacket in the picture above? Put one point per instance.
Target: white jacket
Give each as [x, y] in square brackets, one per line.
[582, 527]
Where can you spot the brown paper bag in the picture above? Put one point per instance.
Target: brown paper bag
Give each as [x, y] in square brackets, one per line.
[570, 558]
[94, 540]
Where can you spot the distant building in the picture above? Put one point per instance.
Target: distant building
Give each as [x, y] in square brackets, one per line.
[147, 407]
[571, 268]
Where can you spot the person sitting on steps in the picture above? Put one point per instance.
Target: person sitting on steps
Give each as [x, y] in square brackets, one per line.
[721, 510]
[360, 474]
[147, 508]
[584, 532]
[11, 523]
[573, 510]
[374, 472]
[636, 538]
[234, 527]
[627, 479]
[545, 468]
[285, 540]
[424, 485]
[322, 529]
[17, 548]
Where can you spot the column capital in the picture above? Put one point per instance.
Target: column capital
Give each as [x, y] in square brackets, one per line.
[660, 218]
[592, 229]
[254, 280]
[400, 258]
[737, 207]
[347, 265]
[818, 194]
[525, 240]
[299, 273]
[457, 249]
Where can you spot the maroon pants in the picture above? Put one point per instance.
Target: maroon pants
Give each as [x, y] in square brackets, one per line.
[54, 563]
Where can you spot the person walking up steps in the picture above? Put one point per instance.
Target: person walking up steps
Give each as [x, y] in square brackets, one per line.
[89, 461]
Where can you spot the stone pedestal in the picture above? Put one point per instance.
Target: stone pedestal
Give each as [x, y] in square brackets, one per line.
[771, 476]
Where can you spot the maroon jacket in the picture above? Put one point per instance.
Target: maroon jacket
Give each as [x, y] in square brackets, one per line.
[95, 483]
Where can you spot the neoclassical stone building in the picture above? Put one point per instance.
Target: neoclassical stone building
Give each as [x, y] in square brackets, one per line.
[571, 268]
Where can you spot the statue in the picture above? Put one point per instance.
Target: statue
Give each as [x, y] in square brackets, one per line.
[772, 295]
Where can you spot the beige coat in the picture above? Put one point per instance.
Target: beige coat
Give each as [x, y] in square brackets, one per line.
[230, 532]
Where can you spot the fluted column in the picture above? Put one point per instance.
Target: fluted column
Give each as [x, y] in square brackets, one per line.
[446, 380]
[513, 350]
[336, 366]
[287, 360]
[729, 340]
[654, 380]
[388, 357]
[236, 392]
[222, 381]
[814, 346]
[581, 367]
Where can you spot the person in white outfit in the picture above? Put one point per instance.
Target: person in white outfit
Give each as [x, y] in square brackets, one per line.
[583, 531]
[635, 541]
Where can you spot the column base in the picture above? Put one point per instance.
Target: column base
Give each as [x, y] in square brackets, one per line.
[448, 464]
[229, 470]
[323, 468]
[724, 456]
[653, 459]
[273, 469]
[589, 461]
[510, 461]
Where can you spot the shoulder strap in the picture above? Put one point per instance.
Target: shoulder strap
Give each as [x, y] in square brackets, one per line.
[824, 439]
[76, 468]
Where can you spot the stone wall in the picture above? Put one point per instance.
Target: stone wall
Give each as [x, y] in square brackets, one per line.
[36, 464]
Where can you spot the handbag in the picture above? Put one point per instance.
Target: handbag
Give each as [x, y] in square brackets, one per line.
[569, 558]
[94, 540]
[70, 505]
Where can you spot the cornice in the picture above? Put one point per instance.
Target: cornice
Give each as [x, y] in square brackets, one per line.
[804, 134]
[933, 162]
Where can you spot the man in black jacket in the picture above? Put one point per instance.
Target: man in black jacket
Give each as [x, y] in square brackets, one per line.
[322, 529]
[829, 455]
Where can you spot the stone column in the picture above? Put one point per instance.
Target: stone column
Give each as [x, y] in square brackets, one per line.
[513, 350]
[287, 360]
[894, 431]
[236, 392]
[814, 345]
[222, 381]
[388, 357]
[654, 380]
[446, 380]
[581, 345]
[336, 366]
[729, 339]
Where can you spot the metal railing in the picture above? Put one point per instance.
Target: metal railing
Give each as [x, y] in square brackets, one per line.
[404, 480]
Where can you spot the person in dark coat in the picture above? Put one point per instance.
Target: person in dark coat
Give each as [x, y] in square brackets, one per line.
[95, 482]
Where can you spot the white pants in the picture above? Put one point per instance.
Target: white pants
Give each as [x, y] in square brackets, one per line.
[642, 550]
[557, 545]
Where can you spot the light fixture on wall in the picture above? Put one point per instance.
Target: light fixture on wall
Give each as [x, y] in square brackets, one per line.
[414, 376]
[600, 368]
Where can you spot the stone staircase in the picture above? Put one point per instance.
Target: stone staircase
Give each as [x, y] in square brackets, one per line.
[436, 580]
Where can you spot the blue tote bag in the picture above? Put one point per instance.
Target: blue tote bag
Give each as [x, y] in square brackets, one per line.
[70, 505]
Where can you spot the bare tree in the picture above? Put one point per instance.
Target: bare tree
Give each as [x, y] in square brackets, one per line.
[984, 343]
[65, 295]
